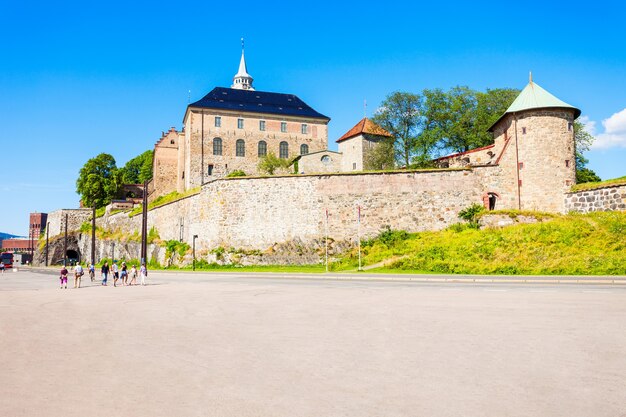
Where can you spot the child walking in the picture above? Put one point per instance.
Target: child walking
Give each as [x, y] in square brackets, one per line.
[133, 275]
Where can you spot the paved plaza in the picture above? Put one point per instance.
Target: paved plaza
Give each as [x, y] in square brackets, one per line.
[234, 345]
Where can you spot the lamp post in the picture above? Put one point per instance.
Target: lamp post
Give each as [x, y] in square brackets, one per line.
[47, 240]
[194, 252]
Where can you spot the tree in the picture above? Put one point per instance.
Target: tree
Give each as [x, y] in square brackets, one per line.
[138, 170]
[270, 163]
[401, 114]
[380, 157]
[457, 120]
[98, 181]
[583, 141]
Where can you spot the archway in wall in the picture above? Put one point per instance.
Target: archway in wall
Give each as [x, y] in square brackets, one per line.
[73, 257]
[490, 200]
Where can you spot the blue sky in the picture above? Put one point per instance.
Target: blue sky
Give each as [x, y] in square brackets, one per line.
[79, 79]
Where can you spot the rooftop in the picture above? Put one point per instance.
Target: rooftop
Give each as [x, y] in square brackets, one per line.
[365, 126]
[256, 102]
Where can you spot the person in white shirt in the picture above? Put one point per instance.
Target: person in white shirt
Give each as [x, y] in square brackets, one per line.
[116, 274]
[78, 273]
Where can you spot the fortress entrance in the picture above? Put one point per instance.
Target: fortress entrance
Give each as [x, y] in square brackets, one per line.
[73, 257]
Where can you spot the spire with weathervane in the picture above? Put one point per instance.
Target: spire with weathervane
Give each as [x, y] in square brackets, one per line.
[242, 80]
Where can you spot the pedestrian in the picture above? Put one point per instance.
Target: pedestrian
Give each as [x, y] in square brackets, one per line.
[124, 274]
[143, 272]
[105, 272]
[78, 274]
[133, 275]
[116, 274]
[63, 277]
[2, 267]
[92, 271]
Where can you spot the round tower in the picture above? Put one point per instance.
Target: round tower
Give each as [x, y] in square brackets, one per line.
[538, 131]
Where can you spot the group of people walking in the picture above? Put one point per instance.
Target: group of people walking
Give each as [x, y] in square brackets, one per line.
[125, 276]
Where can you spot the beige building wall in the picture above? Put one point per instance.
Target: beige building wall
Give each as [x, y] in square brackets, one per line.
[352, 153]
[202, 165]
[165, 163]
[320, 162]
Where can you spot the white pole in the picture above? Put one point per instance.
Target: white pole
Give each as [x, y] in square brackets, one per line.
[326, 243]
[359, 233]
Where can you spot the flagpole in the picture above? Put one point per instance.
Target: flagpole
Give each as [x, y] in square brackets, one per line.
[326, 243]
[359, 233]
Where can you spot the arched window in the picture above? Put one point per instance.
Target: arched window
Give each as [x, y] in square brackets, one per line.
[284, 150]
[217, 146]
[304, 149]
[240, 148]
[262, 148]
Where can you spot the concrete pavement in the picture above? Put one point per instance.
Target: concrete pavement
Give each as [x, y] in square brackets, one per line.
[224, 345]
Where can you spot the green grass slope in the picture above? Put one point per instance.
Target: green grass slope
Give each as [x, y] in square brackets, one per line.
[574, 244]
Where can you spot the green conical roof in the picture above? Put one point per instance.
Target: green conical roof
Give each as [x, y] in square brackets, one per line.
[535, 97]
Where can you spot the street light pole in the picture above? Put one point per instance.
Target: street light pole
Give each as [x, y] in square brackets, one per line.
[47, 240]
[194, 252]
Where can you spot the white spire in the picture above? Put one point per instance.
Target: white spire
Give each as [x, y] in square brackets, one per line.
[242, 80]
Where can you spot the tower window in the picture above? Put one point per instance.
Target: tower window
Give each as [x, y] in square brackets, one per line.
[523, 131]
[354, 165]
[218, 121]
[262, 148]
[217, 146]
[569, 127]
[261, 125]
[239, 123]
[305, 128]
[284, 150]
[304, 149]
[521, 165]
[210, 170]
[567, 163]
[283, 127]
[240, 148]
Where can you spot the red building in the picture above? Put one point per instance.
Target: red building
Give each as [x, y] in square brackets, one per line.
[35, 228]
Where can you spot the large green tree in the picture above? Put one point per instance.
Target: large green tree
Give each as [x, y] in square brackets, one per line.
[380, 157]
[138, 169]
[98, 181]
[402, 115]
[457, 120]
[583, 141]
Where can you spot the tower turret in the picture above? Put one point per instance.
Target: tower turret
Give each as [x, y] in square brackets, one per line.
[242, 80]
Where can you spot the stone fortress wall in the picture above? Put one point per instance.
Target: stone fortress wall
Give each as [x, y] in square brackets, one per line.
[75, 218]
[256, 213]
[609, 198]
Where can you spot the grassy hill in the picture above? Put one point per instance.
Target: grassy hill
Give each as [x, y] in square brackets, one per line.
[573, 244]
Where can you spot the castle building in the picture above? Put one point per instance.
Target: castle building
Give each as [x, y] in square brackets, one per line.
[534, 150]
[232, 129]
[357, 142]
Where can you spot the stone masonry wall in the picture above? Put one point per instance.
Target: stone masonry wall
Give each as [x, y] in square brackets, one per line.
[257, 213]
[602, 199]
[75, 218]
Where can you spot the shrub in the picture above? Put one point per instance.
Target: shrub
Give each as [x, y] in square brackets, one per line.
[236, 173]
[390, 237]
[470, 214]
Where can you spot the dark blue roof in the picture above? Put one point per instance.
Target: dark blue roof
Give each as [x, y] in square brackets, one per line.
[256, 102]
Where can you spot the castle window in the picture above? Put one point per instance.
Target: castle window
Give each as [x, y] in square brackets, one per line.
[304, 149]
[262, 148]
[261, 124]
[210, 170]
[218, 121]
[569, 127]
[284, 150]
[305, 128]
[217, 146]
[283, 127]
[567, 163]
[523, 131]
[172, 141]
[354, 165]
[521, 165]
[239, 123]
[240, 148]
